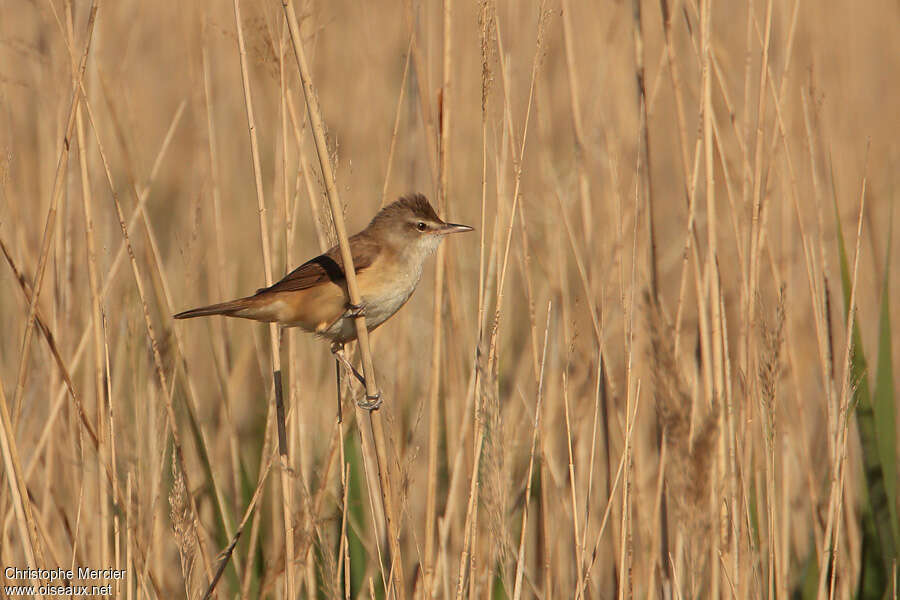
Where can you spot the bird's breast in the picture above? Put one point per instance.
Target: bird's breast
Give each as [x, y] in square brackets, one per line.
[387, 289]
[384, 286]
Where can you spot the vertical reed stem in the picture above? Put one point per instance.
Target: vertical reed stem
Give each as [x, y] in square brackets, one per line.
[375, 421]
[274, 337]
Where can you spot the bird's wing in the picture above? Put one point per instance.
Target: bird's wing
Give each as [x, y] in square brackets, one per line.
[328, 266]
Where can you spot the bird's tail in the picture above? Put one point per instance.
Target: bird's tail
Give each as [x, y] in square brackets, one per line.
[232, 308]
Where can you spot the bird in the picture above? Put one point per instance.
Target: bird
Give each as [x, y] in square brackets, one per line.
[388, 255]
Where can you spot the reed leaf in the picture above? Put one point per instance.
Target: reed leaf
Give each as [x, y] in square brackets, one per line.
[877, 556]
[883, 398]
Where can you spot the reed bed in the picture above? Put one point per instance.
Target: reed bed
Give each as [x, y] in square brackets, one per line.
[660, 368]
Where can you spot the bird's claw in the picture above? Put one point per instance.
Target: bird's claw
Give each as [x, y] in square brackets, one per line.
[354, 311]
[371, 402]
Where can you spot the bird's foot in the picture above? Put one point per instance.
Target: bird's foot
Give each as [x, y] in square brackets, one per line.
[371, 402]
[354, 311]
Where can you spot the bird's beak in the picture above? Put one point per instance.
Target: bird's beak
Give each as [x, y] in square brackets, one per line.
[448, 228]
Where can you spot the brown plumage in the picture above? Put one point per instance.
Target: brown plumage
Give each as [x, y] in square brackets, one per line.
[388, 256]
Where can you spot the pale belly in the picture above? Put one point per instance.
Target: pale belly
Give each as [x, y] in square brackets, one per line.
[380, 301]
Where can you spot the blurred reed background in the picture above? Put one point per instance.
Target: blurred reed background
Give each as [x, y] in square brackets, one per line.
[637, 381]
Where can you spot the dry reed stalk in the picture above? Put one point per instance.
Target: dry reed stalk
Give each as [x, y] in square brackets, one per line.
[344, 545]
[644, 150]
[50, 225]
[818, 283]
[300, 465]
[390, 159]
[458, 348]
[579, 549]
[154, 344]
[767, 374]
[758, 187]
[583, 155]
[835, 503]
[733, 469]
[267, 460]
[424, 93]
[472, 394]
[214, 176]
[317, 501]
[747, 175]
[437, 312]
[689, 447]
[433, 141]
[53, 553]
[494, 463]
[813, 268]
[625, 557]
[129, 538]
[691, 241]
[323, 226]
[582, 273]
[517, 172]
[107, 285]
[104, 463]
[375, 423]
[518, 165]
[21, 502]
[546, 535]
[714, 287]
[778, 559]
[471, 520]
[98, 341]
[158, 450]
[323, 233]
[217, 258]
[456, 476]
[485, 19]
[378, 516]
[255, 524]
[524, 268]
[625, 544]
[112, 459]
[183, 525]
[827, 356]
[165, 296]
[274, 337]
[520, 557]
[629, 430]
[675, 79]
[487, 27]
[597, 415]
[659, 500]
[65, 372]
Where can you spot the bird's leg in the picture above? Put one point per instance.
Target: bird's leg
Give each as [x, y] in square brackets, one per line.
[338, 350]
[337, 374]
[371, 402]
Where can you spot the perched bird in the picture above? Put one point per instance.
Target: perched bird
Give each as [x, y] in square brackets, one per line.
[388, 256]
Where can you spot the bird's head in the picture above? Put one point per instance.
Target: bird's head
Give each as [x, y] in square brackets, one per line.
[411, 224]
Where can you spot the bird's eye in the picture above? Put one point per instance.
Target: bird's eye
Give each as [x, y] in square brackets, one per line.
[421, 226]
